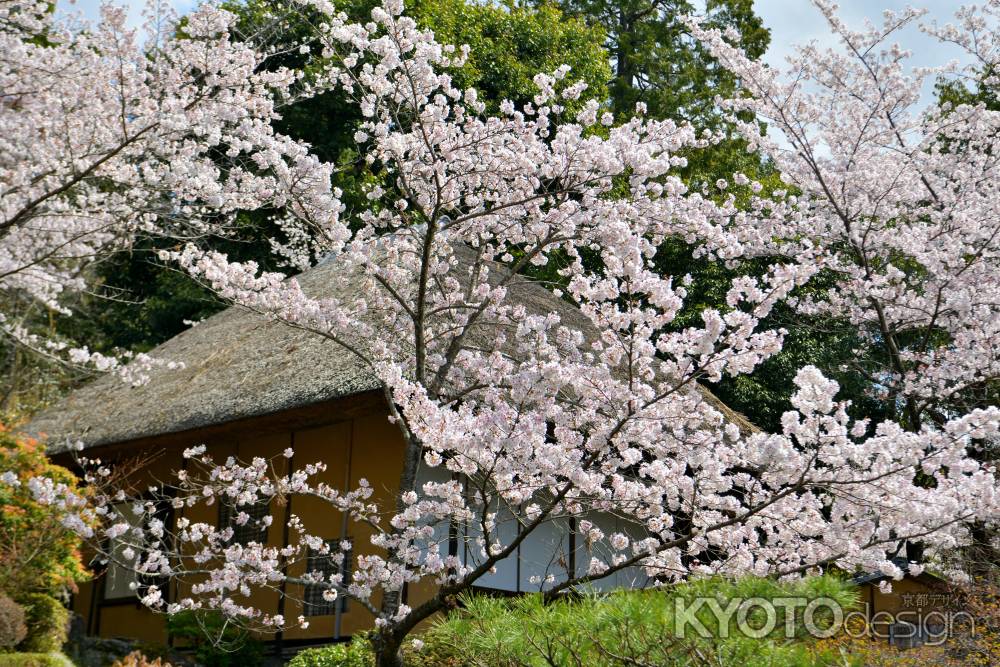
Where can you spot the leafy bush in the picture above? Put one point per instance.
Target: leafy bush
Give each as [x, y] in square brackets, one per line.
[37, 553]
[12, 627]
[615, 630]
[215, 641]
[630, 628]
[47, 621]
[139, 659]
[357, 653]
[434, 652]
[31, 660]
[438, 648]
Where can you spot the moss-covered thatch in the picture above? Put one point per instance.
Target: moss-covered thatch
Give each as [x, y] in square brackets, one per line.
[238, 364]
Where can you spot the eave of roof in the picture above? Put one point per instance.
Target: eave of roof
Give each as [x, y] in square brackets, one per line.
[863, 578]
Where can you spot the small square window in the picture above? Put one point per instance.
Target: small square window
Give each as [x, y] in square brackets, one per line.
[253, 530]
[326, 564]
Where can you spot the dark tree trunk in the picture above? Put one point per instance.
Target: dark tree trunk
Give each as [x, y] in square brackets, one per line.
[387, 649]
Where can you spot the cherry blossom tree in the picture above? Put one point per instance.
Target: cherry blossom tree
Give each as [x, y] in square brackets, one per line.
[532, 418]
[902, 199]
[107, 133]
[898, 201]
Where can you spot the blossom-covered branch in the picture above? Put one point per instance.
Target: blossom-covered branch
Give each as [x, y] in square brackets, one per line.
[104, 137]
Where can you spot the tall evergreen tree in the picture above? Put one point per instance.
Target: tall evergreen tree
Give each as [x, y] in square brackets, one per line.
[657, 62]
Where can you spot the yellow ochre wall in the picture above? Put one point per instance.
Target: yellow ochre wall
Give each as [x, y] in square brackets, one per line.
[361, 446]
[918, 598]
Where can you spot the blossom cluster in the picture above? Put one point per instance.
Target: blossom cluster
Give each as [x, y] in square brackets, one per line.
[107, 135]
[899, 201]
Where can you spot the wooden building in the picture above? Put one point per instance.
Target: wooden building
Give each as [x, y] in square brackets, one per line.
[254, 387]
[914, 610]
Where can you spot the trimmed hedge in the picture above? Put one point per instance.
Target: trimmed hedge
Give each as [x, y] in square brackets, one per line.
[32, 660]
[436, 651]
[214, 641]
[357, 653]
[47, 621]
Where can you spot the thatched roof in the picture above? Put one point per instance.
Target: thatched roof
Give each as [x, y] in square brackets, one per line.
[238, 365]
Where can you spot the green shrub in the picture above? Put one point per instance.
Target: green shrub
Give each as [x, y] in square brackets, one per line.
[357, 653]
[435, 652]
[32, 660]
[439, 648]
[215, 641]
[12, 627]
[37, 553]
[47, 621]
[632, 627]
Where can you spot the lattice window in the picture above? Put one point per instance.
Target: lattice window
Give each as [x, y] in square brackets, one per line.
[251, 531]
[326, 564]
